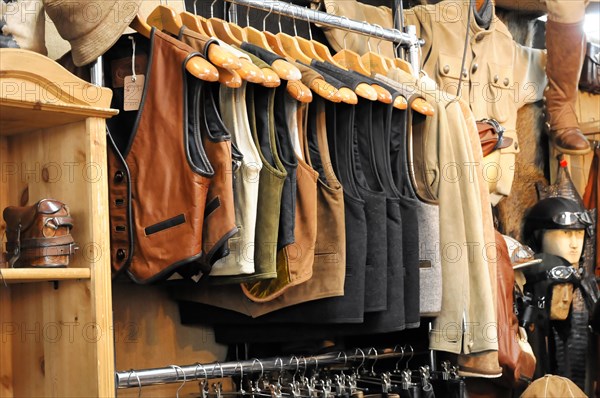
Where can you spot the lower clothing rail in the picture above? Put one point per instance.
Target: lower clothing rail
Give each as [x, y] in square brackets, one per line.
[177, 374]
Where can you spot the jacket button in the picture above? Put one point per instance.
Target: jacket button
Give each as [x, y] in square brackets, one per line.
[474, 68]
[496, 78]
[120, 254]
[119, 176]
[464, 73]
[447, 69]
[506, 81]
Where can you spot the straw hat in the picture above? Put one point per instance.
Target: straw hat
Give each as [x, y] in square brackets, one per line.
[91, 26]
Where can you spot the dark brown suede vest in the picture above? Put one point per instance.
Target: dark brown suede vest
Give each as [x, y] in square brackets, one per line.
[159, 175]
[295, 260]
[197, 41]
[219, 217]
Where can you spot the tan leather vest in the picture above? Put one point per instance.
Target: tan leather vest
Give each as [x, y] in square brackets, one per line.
[157, 197]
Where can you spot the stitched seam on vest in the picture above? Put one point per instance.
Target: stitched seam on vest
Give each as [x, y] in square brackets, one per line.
[166, 224]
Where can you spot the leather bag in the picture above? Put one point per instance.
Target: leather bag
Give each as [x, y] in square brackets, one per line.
[39, 235]
[514, 352]
[590, 72]
[491, 136]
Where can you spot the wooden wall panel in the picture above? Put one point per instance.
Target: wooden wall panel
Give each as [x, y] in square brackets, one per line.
[148, 334]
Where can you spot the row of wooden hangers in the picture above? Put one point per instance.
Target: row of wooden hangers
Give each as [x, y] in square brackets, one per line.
[226, 68]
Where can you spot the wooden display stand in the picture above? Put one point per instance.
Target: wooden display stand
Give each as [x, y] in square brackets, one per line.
[56, 324]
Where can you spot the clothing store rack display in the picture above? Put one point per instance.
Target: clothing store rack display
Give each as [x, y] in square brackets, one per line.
[177, 374]
[409, 41]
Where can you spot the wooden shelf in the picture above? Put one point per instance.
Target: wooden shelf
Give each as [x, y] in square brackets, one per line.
[18, 117]
[30, 101]
[29, 275]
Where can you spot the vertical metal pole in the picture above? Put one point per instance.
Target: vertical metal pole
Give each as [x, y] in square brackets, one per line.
[432, 356]
[413, 51]
[96, 72]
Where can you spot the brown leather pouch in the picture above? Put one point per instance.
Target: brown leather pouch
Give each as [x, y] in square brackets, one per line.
[39, 235]
[514, 352]
[491, 136]
[590, 72]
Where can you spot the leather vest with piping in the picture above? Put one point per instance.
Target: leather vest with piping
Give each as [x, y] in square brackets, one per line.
[260, 102]
[268, 262]
[329, 255]
[245, 185]
[219, 217]
[295, 259]
[331, 143]
[156, 199]
[219, 214]
[329, 268]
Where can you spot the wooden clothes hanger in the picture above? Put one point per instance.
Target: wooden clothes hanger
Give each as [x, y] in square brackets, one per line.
[197, 66]
[351, 60]
[291, 46]
[255, 36]
[216, 55]
[220, 28]
[307, 46]
[376, 63]
[166, 19]
[318, 85]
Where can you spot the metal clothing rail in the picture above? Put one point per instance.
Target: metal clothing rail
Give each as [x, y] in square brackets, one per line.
[177, 374]
[407, 40]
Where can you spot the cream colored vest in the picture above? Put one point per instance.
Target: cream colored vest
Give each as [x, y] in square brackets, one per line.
[245, 185]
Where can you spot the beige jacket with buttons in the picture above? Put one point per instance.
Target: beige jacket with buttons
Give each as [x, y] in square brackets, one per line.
[500, 76]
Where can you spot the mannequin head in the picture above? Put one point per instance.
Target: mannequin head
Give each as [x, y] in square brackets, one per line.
[565, 243]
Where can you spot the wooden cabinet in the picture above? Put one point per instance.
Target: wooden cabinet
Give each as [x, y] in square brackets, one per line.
[56, 324]
[57, 333]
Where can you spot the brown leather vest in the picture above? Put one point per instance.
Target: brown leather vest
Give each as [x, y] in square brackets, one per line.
[159, 175]
[219, 217]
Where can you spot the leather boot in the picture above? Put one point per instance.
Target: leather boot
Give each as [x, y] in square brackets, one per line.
[565, 44]
[481, 364]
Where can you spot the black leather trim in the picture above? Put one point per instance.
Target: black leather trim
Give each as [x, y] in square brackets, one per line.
[166, 224]
[211, 206]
